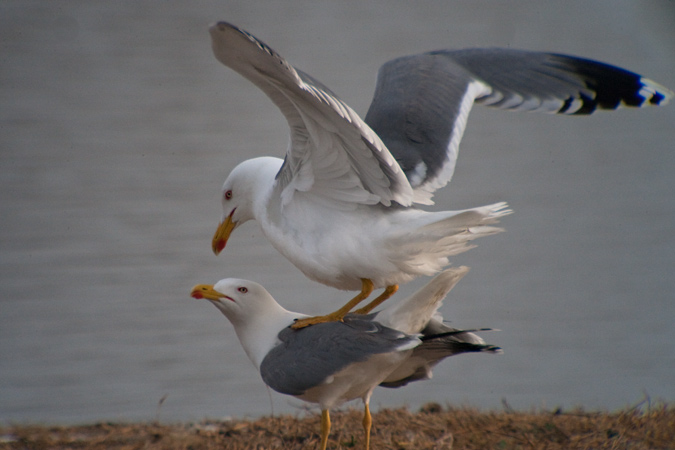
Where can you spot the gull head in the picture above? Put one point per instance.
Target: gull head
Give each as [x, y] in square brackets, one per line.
[257, 318]
[239, 300]
[243, 190]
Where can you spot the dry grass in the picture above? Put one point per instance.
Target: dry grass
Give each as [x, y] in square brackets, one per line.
[431, 428]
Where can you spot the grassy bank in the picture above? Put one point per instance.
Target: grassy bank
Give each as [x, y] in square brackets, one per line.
[431, 428]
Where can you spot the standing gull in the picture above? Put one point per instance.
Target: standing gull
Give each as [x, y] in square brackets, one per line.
[335, 362]
[340, 206]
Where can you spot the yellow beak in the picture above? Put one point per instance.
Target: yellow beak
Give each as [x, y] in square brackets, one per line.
[222, 234]
[206, 291]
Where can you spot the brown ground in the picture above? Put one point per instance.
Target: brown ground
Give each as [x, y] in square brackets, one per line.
[431, 428]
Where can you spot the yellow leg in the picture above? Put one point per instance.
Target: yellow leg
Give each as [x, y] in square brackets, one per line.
[367, 423]
[388, 292]
[325, 428]
[337, 316]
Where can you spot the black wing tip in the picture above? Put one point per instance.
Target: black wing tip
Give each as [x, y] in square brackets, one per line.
[492, 349]
[612, 86]
[658, 98]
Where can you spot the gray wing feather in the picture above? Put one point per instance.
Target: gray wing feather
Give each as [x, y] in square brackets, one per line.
[555, 83]
[415, 109]
[305, 358]
[421, 102]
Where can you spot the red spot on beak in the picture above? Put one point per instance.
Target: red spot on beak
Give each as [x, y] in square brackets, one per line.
[197, 295]
[220, 245]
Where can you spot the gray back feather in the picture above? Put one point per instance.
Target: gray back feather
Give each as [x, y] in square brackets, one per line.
[305, 358]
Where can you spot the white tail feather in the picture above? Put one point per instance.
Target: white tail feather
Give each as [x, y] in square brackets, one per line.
[429, 246]
[412, 314]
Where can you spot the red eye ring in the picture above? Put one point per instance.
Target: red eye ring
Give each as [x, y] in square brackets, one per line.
[228, 194]
[242, 289]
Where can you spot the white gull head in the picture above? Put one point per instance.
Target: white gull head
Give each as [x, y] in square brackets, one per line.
[257, 318]
[244, 194]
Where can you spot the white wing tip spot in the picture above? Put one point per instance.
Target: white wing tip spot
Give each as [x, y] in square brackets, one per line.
[418, 174]
[654, 93]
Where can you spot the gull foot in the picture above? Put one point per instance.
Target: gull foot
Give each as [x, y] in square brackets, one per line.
[302, 323]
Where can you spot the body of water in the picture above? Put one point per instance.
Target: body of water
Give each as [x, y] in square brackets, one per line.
[118, 126]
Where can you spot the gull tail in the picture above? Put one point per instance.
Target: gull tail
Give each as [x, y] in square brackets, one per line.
[449, 233]
[456, 341]
[414, 313]
[438, 342]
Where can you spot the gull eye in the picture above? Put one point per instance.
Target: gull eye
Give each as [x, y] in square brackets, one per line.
[228, 194]
[243, 290]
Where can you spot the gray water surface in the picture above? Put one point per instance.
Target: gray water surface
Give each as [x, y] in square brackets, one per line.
[117, 128]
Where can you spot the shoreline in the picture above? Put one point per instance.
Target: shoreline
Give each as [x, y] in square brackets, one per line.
[432, 427]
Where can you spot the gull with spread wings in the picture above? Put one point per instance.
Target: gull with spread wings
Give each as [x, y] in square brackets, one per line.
[341, 204]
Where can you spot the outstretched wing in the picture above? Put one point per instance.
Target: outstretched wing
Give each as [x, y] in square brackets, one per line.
[332, 154]
[422, 102]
